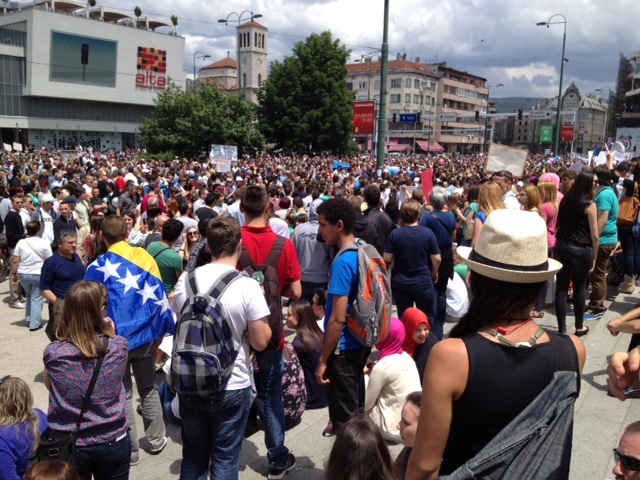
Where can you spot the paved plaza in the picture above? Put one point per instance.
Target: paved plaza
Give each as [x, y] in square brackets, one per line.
[599, 419]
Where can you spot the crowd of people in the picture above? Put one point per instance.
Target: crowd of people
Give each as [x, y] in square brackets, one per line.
[124, 249]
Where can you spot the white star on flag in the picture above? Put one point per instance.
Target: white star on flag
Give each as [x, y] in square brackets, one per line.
[109, 269]
[164, 303]
[130, 281]
[147, 292]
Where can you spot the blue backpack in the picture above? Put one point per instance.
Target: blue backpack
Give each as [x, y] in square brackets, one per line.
[203, 349]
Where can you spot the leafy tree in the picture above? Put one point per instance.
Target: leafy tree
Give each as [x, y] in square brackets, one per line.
[187, 122]
[174, 22]
[304, 104]
[138, 13]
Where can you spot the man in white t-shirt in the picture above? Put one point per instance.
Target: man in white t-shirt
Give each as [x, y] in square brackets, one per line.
[45, 216]
[248, 310]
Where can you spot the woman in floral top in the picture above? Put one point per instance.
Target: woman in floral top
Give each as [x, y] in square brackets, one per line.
[103, 445]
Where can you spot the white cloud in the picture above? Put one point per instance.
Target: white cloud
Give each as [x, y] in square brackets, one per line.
[492, 38]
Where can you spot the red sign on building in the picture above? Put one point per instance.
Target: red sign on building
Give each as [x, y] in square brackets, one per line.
[364, 114]
[567, 133]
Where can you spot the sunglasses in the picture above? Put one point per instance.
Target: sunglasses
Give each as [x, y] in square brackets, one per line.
[629, 463]
[192, 234]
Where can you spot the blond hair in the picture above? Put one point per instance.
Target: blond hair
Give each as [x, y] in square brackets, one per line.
[83, 319]
[490, 198]
[16, 407]
[549, 194]
[533, 198]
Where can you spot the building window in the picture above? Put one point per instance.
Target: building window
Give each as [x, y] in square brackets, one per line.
[394, 98]
[362, 86]
[416, 99]
[407, 83]
[362, 98]
[350, 86]
[244, 80]
[396, 83]
[376, 85]
[407, 98]
[425, 85]
[581, 125]
[259, 79]
[416, 83]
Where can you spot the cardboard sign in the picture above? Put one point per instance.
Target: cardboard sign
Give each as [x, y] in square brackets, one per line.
[506, 158]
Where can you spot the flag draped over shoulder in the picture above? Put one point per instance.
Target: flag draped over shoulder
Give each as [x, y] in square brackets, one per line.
[138, 302]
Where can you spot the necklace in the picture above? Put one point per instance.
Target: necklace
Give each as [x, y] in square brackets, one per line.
[501, 332]
[504, 331]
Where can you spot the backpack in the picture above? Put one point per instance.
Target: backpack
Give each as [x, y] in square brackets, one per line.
[537, 443]
[370, 313]
[267, 276]
[203, 349]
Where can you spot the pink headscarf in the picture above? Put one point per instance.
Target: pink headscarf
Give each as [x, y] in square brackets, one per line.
[392, 344]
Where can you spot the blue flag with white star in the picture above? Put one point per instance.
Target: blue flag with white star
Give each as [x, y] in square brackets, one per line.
[138, 303]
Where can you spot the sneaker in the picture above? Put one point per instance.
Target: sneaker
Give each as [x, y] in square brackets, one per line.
[17, 304]
[135, 459]
[156, 451]
[276, 473]
[593, 314]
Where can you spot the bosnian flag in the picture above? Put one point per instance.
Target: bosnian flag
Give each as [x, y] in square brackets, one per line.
[138, 303]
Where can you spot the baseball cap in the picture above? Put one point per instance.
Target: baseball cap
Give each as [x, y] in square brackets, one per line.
[70, 199]
[47, 198]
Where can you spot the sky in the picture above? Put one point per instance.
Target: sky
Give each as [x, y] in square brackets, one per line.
[495, 39]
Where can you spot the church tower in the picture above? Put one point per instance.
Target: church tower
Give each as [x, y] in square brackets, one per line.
[252, 61]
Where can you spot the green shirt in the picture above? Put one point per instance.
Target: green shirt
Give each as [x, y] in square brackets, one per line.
[169, 264]
[607, 200]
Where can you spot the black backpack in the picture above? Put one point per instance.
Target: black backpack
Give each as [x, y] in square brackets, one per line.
[267, 275]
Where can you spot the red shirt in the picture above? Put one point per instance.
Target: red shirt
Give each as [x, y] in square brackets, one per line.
[259, 241]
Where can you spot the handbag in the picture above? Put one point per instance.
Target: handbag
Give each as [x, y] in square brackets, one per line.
[629, 208]
[64, 449]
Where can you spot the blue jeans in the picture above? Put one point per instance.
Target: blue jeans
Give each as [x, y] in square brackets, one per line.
[271, 370]
[630, 251]
[166, 397]
[106, 461]
[212, 429]
[31, 285]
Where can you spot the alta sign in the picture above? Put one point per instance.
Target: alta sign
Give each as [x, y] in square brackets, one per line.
[152, 69]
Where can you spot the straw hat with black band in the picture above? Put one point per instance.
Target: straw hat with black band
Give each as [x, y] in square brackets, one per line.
[512, 247]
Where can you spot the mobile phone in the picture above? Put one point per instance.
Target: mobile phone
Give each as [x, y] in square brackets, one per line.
[632, 392]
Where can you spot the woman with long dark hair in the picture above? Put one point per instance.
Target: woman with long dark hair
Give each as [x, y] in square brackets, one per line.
[576, 241]
[497, 360]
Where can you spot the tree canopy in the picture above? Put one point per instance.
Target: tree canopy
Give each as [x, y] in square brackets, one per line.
[185, 123]
[304, 104]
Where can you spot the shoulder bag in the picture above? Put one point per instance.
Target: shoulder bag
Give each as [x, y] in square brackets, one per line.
[64, 450]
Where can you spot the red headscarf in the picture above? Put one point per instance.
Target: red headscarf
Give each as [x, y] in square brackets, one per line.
[411, 319]
[392, 344]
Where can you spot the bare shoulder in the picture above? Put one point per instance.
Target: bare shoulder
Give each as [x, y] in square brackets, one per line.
[580, 349]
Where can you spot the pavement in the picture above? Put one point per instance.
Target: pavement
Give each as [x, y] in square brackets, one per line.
[599, 419]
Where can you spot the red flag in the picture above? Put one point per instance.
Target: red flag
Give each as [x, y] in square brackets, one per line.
[427, 182]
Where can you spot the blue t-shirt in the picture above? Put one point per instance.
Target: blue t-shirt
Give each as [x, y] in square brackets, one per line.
[343, 282]
[606, 199]
[412, 248]
[59, 274]
[16, 445]
[435, 221]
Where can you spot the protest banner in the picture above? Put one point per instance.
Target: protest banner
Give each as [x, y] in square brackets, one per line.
[224, 156]
[506, 158]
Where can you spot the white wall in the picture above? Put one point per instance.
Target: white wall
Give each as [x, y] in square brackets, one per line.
[40, 26]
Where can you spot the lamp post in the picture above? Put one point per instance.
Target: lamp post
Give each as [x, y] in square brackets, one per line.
[202, 56]
[240, 20]
[382, 113]
[486, 116]
[562, 60]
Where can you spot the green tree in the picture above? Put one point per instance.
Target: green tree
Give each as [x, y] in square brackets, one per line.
[174, 21]
[138, 13]
[187, 122]
[304, 104]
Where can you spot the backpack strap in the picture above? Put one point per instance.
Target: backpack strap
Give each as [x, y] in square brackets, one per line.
[160, 252]
[276, 252]
[216, 290]
[565, 355]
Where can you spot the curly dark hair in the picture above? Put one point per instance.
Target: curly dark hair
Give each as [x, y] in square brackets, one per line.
[338, 209]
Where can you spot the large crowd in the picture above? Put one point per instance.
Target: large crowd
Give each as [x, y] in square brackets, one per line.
[133, 256]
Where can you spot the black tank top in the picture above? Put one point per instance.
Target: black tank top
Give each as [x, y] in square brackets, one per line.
[580, 234]
[503, 380]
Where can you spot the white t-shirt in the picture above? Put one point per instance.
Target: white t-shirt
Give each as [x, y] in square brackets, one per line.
[48, 234]
[244, 303]
[33, 251]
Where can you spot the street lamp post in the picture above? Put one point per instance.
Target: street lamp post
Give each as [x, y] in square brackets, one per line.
[240, 20]
[203, 56]
[382, 112]
[562, 60]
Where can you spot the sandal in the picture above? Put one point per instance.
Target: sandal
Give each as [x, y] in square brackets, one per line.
[536, 314]
[583, 332]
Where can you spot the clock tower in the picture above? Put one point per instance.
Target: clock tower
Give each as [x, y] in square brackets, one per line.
[252, 58]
